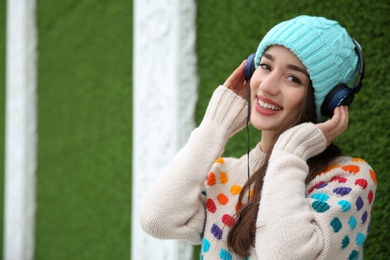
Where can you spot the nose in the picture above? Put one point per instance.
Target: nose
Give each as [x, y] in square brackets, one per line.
[270, 83]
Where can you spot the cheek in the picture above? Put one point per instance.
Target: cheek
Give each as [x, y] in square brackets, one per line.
[293, 97]
[253, 89]
[254, 82]
[295, 103]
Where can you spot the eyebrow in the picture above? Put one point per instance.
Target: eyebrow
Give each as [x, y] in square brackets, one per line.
[289, 66]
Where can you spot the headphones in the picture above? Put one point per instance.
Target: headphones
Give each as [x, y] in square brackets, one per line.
[249, 67]
[341, 94]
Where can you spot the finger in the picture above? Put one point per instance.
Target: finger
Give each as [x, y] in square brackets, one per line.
[337, 123]
[244, 91]
[241, 84]
[342, 120]
[235, 77]
[345, 117]
[336, 118]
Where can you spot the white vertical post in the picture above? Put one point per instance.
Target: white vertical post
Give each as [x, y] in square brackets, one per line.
[164, 97]
[21, 137]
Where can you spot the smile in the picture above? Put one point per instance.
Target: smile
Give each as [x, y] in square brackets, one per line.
[268, 106]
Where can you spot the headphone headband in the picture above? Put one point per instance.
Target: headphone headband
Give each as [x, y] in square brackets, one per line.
[359, 81]
[339, 95]
[342, 94]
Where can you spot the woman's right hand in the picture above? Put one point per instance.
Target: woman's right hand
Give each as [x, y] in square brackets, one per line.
[237, 82]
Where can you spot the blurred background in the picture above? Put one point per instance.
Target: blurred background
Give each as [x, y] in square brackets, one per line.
[85, 110]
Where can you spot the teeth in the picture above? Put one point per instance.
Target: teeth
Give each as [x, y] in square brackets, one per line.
[268, 106]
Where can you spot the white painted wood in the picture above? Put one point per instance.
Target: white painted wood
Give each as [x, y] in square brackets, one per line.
[164, 97]
[21, 135]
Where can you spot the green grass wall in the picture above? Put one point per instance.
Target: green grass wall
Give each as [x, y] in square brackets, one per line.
[85, 102]
[228, 31]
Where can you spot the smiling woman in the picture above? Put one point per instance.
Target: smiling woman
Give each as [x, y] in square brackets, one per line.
[288, 205]
[278, 87]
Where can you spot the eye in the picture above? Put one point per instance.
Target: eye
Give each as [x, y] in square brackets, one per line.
[294, 79]
[264, 66]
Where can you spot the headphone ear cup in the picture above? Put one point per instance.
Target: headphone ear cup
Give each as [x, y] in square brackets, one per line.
[249, 66]
[341, 95]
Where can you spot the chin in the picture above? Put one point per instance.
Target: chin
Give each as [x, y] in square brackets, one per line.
[263, 125]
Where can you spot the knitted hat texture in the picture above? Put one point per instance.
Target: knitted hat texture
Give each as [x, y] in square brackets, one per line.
[323, 46]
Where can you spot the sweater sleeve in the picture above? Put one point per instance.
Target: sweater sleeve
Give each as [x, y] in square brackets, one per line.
[174, 207]
[330, 220]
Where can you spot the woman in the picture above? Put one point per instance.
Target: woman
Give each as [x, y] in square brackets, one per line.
[295, 196]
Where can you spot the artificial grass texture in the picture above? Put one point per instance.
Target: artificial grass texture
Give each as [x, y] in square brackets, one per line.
[228, 31]
[85, 103]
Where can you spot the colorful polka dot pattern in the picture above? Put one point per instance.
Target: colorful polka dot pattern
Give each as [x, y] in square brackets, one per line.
[352, 209]
[226, 198]
[331, 197]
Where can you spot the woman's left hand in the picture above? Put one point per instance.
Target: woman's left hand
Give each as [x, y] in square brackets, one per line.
[237, 82]
[336, 125]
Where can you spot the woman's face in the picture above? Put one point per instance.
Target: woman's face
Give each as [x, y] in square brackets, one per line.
[278, 86]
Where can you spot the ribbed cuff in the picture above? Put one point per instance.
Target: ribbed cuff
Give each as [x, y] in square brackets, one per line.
[228, 110]
[304, 140]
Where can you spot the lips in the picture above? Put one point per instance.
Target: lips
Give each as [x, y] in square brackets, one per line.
[268, 104]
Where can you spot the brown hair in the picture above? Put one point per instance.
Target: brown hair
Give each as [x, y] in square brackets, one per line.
[241, 236]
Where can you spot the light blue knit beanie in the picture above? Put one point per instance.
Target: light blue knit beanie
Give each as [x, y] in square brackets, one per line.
[323, 46]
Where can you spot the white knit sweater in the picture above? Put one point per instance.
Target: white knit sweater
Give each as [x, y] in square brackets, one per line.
[195, 198]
